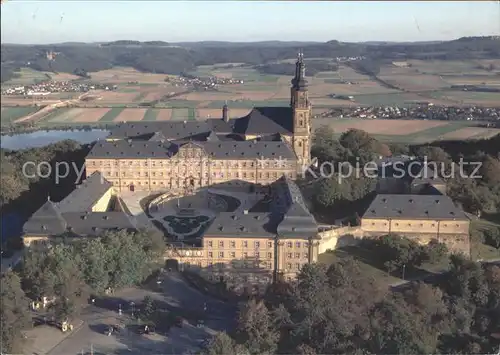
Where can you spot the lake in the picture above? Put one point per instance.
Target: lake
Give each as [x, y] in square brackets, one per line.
[43, 138]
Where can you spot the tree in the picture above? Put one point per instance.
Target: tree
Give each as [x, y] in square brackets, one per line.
[70, 289]
[256, 329]
[223, 344]
[435, 252]
[434, 154]
[14, 313]
[490, 171]
[492, 237]
[148, 308]
[328, 192]
[394, 252]
[326, 147]
[95, 264]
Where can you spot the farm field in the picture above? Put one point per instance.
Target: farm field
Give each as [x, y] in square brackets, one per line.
[419, 80]
[491, 99]
[401, 131]
[28, 76]
[124, 75]
[10, 114]
[409, 131]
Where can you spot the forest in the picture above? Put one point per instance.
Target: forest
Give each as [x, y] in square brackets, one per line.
[158, 57]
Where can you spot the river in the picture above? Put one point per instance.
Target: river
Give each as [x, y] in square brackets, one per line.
[43, 138]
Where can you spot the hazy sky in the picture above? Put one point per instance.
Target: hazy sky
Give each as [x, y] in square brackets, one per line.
[46, 21]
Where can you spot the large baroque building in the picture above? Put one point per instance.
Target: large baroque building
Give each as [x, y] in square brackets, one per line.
[264, 151]
[258, 148]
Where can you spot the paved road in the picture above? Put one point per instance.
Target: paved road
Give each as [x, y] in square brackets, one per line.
[175, 294]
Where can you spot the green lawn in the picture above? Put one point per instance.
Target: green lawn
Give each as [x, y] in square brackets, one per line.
[248, 104]
[382, 277]
[140, 97]
[191, 114]
[480, 250]
[388, 99]
[435, 132]
[27, 76]
[55, 115]
[151, 114]
[10, 114]
[180, 114]
[179, 104]
[111, 114]
[327, 75]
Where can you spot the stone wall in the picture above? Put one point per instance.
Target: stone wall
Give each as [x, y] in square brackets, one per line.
[339, 237]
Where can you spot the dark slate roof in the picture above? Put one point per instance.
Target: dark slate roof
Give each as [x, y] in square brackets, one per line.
[94, 223]
[212, 137]
[297, 220]
[217, 150]
[414, 207]
[265, 121]
[220, 126]
[131, 149]
[85, 195]
[46, 221]
[240, 225]
[169, 129]
[158, 136]
[249, 150]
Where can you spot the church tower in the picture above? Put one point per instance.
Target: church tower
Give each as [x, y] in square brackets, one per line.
[301, 112]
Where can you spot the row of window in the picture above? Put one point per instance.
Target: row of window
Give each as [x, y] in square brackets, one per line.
[279, 163]
[257, 255]
[214, 174]
[420, 225]
[221, 266]
[244, 278]
[256, 244]
[232, 254]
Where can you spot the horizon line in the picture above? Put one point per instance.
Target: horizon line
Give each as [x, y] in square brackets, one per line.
[492, 36]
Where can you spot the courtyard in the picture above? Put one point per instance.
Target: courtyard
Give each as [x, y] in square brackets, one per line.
[185, 218]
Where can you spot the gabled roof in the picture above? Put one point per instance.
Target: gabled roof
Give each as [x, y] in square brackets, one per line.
[265, 121]
[46, 221]
[212, 137]
[414, 207]
[169, 130]
[158, 136]
[249, 150]
[94, 223]
[85, 195]
[233, 224]
[125, 149]
[297, 220]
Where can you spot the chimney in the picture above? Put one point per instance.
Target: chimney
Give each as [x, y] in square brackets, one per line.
[225, 114]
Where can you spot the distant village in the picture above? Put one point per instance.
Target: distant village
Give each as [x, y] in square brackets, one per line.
[419, 111]
[50, 87]
[199, 83]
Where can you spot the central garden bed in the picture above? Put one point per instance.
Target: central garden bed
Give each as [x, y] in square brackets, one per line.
[185, 225]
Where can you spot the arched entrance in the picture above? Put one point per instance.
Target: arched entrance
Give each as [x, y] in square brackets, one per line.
[172, 264]
[131, 187]
[190, 181]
